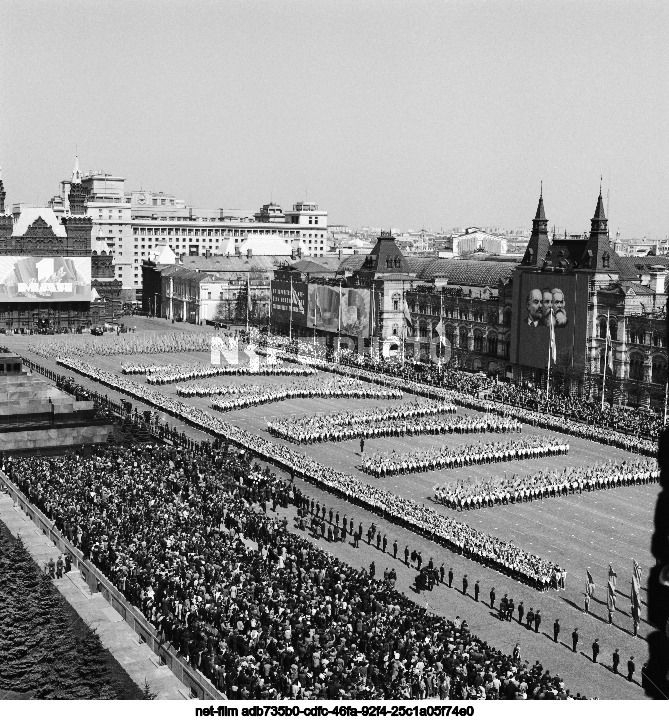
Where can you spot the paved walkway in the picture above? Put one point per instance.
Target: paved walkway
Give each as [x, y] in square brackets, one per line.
[139, 662]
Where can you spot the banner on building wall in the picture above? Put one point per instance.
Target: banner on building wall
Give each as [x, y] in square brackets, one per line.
[26, 279]
[339, 310]
[540, 297]
[286, 294]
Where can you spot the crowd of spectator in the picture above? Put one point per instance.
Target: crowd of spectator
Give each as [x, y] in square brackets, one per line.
[502, 490]
[417, 461]
[257, 609]
[498, 553]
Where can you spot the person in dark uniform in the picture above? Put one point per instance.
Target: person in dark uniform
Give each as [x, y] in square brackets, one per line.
[442, 572]
[595, 650]
[378, 539]
[521, 613]
[530, 618]
[395, 548]
[616, 660]
[556, 630]
[60, 564]
[362, 446]
[537, 621]
[574, 640]
[631, 668]
[384, 542]
[419, 560]
[510, 608]
[477, 589]
[372, 569]
[465, 584]
[450, 578]
[492, 597]
[406, 555]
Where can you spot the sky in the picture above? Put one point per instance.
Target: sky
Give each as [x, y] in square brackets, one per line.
[427, 113]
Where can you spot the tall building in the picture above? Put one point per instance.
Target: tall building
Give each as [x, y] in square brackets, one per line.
[45, 265]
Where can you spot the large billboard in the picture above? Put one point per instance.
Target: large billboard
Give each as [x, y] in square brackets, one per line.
[339, 310]
[29, 279]
[537, 298]
[286, 294]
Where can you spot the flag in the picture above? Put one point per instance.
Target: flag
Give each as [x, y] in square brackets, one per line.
[636, 589]
[609, 350]
[589, 584]
[613, 577]
[611, 596]
[407, 314]
[553, 347]
[248, 292]
[440, 330]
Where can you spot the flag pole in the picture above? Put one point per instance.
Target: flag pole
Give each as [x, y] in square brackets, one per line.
[248, 302]
[666, 397]
[290, 322]
[339, 321]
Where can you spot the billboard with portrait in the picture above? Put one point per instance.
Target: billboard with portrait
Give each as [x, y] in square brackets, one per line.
[538, 298]
[30, 279]
[286, 294]
[339, 310]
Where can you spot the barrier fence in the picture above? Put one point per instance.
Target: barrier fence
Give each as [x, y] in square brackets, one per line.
[199, 686]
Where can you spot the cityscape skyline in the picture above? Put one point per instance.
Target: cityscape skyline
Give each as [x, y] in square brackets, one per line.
[349, 114]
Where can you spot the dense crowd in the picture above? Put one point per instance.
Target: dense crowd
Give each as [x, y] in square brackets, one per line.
[431, 459]
[461, 538]
[504, 490]
[423, 382]
[127, 344]
[177, 372]
[338, 388]
[343, 427]
[258, 610]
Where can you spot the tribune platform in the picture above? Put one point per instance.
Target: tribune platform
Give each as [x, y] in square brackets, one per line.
[34, 414]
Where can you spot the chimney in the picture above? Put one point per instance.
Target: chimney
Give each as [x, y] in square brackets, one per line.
[249, 252]
[658, 278]
[293, 254]
[238, 251]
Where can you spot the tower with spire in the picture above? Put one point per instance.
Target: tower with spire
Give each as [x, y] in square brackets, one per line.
[539, 243]
[6, 222]
[598, 254]
[78, 194]
[79, 226]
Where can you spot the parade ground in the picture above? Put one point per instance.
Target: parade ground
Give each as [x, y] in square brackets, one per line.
[591, 530]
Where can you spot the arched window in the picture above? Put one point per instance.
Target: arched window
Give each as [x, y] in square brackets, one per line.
[395, 330]
[463, 337]
[613, 326]
[633, 337]
[421, 309]
[659, 372]
[398, 262]
[396, 301]
[389, 262]
[601, 327]
[428, 309]
[449, 332]
[656, 341]
[492, 344]
[478, 341]
[422, 329]
[636, 367]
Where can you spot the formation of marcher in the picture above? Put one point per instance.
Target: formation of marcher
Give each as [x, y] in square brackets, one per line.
[278, 620]
[498, 553]
[177, 372]
[634, 442]
[335, 388]
[318, 429]
[126, 344]
[432, 459]
[504, 490]
[197, 390]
